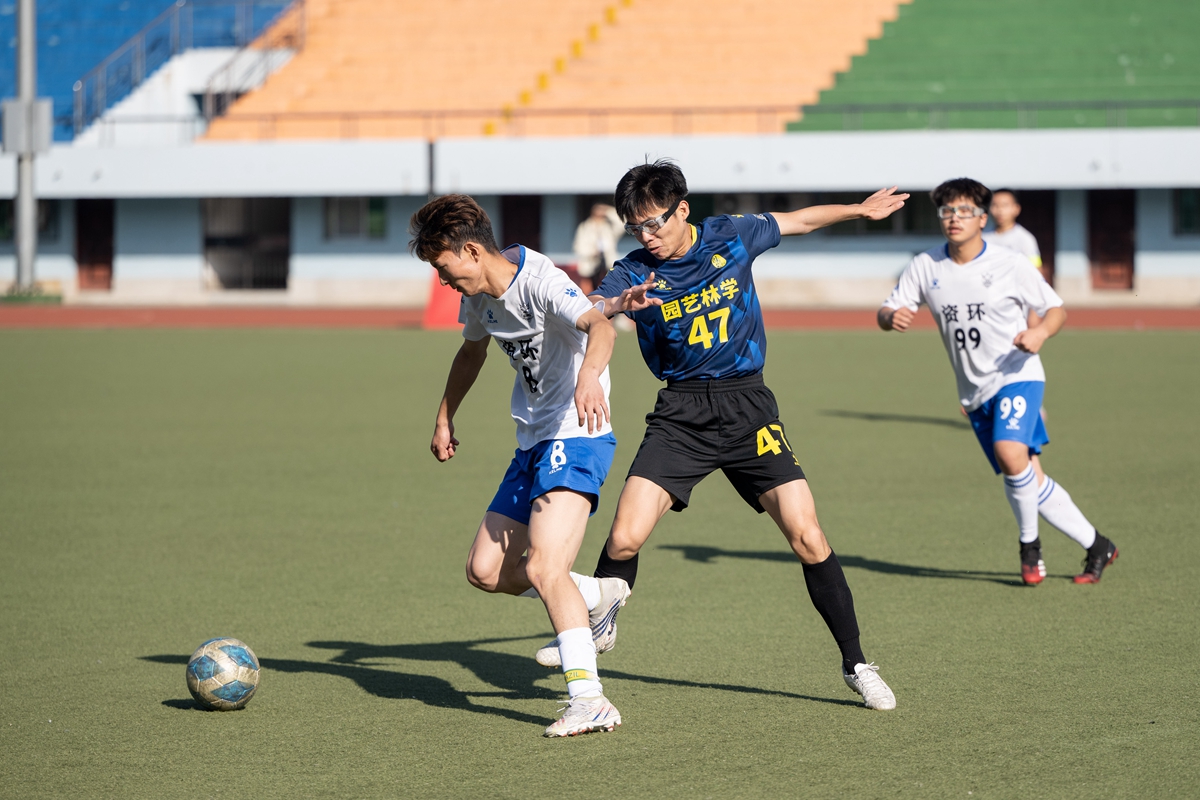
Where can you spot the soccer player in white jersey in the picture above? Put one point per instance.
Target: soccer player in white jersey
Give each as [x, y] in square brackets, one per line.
[1004, 209]
[981, 294]
[559, 345]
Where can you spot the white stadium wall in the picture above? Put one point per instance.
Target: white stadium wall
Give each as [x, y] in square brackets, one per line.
[380, 271]
[158, 251]
[1165, 263]
[159, 191]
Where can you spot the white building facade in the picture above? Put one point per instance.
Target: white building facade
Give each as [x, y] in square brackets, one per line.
[325, 222]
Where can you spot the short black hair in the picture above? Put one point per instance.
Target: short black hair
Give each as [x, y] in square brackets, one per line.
[651, 185]
[973, 190]
[1016, 197]
[448, 223]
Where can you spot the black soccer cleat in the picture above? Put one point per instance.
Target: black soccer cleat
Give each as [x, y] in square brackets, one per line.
[1033, 569]
[1102, 553]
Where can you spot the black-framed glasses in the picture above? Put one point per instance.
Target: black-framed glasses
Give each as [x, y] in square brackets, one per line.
[962, 212]
[653, 225]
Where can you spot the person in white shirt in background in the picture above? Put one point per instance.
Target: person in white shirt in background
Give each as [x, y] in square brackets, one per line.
[595, 245]
[1004, 210]
[981, 296]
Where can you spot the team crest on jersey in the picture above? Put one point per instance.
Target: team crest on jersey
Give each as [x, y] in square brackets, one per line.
[661, 285]
[718, 261]
[987, 280]
[572, 293]
[935, 285]
[526, 312]
[491, 320]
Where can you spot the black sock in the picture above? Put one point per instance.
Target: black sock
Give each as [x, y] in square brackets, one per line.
[831, 597]
[608, 567]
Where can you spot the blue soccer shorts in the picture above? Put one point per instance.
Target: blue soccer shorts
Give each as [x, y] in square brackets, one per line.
[580, 464]
[1012, 414]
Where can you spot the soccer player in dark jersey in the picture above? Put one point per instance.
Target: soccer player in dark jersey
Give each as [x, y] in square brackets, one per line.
[690, 291]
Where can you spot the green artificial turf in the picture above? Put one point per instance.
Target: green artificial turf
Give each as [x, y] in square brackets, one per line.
[158, 488]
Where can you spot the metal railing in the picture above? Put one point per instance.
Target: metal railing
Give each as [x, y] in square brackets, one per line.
[185, 25]
[940, 116]
[254, 63]
[434, 124]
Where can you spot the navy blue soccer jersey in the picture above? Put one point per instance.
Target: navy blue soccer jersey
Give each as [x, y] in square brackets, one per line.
[709, 325]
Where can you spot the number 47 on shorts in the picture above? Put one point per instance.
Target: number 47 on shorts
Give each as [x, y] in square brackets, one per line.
[767, 443]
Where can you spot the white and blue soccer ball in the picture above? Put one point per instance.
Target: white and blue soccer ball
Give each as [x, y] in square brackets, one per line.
[223, 674]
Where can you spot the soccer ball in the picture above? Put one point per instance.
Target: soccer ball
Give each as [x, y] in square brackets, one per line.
[222, 674]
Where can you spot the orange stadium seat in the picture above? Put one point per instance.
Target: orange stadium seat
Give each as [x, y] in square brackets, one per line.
[385, 69]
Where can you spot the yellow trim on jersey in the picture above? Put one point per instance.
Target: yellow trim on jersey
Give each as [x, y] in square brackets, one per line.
[693, 227]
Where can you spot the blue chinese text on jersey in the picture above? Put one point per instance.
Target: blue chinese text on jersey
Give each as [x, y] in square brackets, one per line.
[709, 325]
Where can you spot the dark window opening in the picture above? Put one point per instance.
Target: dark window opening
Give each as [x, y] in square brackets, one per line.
[247, 242]
[1187, 212]
[356, 218]
[47, 220]
[520, 221]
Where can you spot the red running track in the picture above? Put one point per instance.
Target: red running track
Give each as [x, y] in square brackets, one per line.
[384, 318]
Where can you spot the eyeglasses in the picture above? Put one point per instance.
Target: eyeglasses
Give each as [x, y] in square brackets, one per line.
[653, 225]
[962, 212]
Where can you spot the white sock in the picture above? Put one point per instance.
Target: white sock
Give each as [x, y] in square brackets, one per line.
[578, 654]
[1022, 493]
[1057, 508]
[589, 587]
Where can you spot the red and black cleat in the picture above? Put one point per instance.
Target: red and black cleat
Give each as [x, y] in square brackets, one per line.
[1102, 553]
[1033, 569]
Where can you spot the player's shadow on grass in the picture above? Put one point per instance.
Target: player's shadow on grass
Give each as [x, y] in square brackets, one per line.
[515, 677]
[705, 555]
[867, 416]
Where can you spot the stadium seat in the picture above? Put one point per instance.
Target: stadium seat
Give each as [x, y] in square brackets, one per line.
[72, 39]
[516, 62]
[945, 51]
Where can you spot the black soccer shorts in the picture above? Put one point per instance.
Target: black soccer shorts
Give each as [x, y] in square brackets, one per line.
[701, 426]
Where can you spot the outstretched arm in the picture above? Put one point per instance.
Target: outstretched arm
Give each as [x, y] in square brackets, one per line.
[589, 394]
[1032, 339]
[632, 299]
[878, 206]
[463, 372]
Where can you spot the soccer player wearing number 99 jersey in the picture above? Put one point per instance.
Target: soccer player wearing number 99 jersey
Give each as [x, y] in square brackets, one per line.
[690, 291]
[981, 296]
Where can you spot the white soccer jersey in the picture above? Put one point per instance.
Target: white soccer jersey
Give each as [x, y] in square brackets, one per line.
[534, 324]
[1017, 238]
[980, 307]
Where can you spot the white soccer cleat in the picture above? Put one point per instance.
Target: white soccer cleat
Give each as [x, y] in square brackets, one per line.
[584, 715]
[614, 592]
[866, 681]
